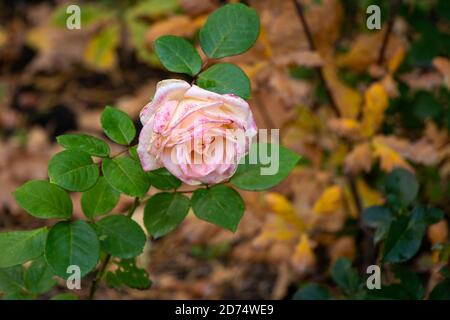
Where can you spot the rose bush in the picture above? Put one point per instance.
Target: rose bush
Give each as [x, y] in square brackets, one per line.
[198, 135]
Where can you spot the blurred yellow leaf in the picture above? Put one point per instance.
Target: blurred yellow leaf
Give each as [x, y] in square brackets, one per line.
[304, 258]
[329, 202]
[345, 127]
[396, 59]
[348, 100]
[438, 232]
[389, 158]
[369, 196]
[283, 208]
[100, 53]
[376, 102]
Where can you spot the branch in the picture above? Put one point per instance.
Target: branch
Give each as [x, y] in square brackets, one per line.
[394, 5]
[312, 47]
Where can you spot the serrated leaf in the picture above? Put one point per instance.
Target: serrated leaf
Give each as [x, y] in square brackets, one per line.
[121, 236]
[230, 30]
[72, 243]
[162, 179]
[178, 55]
[17, 247]
[225, 78]
[220, 205]
[100, 199]
[118, 126]
[73, 170]
[126, 175]
[89, 144]
[43, 199]
[251, 176]
[164, 212]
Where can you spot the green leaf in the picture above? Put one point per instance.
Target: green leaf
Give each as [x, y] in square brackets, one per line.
[404, 237]
[120, 236]
[230, 30]
[89, 144]
[130, 275]
[401, 187]
[178, 55]
[345, 276]
[441, 291]
[72, 243]
[73, 170]
[257, 175]
[65, 296]
[126, 175]
[378, 217]
[17, 247]
[164, 212]
[132, 151]
[162, 179]
[39, 277]
[220, 205]
[225, 78]
[11, 280]
[118, 126]
[100, 199]
[43, 199]
[312, 291]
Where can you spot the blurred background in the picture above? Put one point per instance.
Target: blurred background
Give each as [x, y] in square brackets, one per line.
[54, 80]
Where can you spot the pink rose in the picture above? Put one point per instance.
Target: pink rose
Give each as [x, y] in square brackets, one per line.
[198, 135]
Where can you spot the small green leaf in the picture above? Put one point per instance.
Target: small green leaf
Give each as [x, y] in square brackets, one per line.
[260, 175]
[72, 243]
[100, 199]
[220, 205]
[162, 179]
[17, 247]
[121, 236]
[11, 280]
[89, 144]
[130, 275]
[126, 175]
[43, 199]
[164, 212]
[118, 126]
[230, 30]
[401, 187]
[441, 291]
[225, 78]
[345, 276]
[73, 170]
[39, 277]
[312, 291]
[380, 218]
[404, 237]
[178, 55]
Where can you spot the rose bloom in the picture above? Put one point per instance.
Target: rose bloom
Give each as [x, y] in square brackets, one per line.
[198, 135]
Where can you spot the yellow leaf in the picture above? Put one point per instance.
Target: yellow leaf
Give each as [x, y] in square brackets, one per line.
[275, 229]
[376, 102]
[389, 158]
[345, 127]
[396, 59]
[283, 208]
[329, 202]
[348, 100]
[369, 196]
[304, 258]
[100, 53]
[438, 232]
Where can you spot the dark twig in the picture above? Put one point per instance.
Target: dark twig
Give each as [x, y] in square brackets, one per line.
[312, 47]
[394, 5]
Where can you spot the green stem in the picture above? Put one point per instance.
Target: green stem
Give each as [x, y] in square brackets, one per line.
[104, 265]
